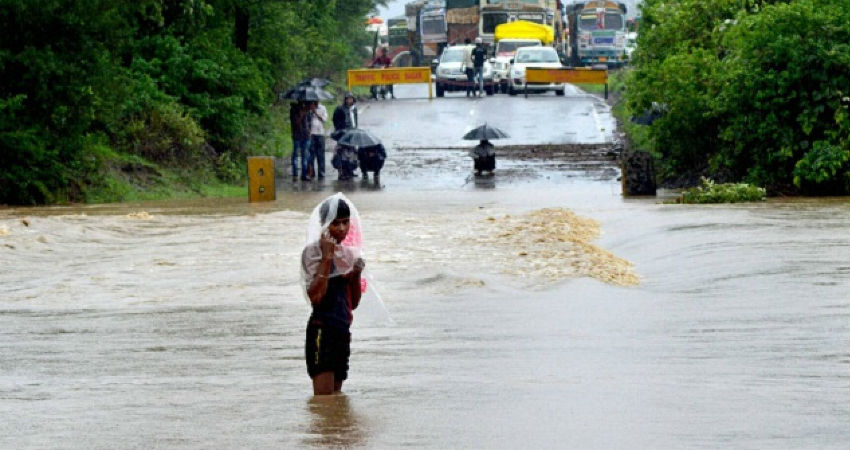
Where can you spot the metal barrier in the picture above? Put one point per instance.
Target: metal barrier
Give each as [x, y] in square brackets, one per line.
[391, 75]
[581, 75]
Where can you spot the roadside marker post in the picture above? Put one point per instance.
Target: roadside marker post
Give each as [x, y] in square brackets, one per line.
[580, 75]
[261, 179]
[391, 75]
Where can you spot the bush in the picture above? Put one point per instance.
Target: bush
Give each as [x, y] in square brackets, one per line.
[709, 192]
[754, 91]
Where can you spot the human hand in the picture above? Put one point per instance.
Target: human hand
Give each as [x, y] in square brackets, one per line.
[328, 245]
[359, 265]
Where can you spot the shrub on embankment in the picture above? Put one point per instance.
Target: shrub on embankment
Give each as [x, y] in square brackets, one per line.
[752, 90]
[108, 100]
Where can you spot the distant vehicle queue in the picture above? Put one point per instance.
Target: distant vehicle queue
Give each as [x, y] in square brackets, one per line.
[441, 33]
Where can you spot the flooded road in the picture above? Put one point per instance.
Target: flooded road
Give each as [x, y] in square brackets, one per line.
[180, 325]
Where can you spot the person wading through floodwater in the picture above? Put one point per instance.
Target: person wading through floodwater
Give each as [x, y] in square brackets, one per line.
[331, 269]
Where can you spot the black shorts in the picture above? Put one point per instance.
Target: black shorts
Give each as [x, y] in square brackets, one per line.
[327, 350]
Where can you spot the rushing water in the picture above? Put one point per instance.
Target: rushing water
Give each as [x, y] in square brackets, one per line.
[182, 327]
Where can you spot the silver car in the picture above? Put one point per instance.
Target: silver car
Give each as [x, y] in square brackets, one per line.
[451, 73]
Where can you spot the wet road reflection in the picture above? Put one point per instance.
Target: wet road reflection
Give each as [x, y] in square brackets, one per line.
[335, 423]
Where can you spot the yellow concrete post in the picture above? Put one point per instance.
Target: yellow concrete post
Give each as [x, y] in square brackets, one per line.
[261, 179]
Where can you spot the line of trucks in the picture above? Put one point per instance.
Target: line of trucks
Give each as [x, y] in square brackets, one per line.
[584, 33]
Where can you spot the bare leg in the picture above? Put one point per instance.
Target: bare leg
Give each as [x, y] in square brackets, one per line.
[323, 383]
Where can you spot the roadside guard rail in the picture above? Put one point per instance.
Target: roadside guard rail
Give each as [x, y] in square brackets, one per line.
[391, 75]
[579, 75]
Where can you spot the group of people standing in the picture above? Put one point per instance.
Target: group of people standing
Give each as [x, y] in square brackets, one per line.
[474, 63]
[307, 120]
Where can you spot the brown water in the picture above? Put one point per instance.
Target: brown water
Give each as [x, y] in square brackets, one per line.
[182, 327]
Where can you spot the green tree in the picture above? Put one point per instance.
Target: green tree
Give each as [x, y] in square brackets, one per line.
[178, 83]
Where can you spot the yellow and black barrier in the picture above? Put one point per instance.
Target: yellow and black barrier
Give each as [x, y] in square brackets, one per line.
[580, 75]
[391, 75]
[261, 179]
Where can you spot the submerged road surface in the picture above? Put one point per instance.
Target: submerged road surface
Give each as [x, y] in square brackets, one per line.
[425, 148]
[415, 121]
[180, 325]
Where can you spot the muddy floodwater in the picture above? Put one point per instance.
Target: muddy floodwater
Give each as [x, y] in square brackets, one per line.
[181, 325]
[532, 309]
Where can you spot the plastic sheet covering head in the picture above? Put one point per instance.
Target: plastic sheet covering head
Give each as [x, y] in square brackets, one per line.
[337, 218]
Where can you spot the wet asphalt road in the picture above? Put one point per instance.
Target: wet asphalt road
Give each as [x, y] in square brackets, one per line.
[414, 121]
[426, 151]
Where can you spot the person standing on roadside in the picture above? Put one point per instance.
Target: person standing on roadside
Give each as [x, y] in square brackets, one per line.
[299, 121]
[345, 115]
[469, 68]
[318, 117]
[382, 62]
[479, 55]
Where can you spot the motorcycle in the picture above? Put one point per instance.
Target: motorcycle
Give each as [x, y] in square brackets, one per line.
[380, 89]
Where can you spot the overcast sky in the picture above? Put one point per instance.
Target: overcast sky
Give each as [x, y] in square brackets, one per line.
[394, 8]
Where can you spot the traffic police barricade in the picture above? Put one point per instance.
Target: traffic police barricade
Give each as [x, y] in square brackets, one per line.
[579, 75]
[391, 75]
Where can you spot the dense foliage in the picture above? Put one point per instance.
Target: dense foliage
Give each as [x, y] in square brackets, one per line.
[93, 88]
[752, 90]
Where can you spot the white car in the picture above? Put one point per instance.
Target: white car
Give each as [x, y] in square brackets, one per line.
[545, 57]
[505, 50]
[450, 73]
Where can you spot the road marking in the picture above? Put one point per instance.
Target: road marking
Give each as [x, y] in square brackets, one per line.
[596, 119]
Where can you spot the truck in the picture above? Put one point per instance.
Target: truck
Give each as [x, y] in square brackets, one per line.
[597, 33]
[426, 29]
[398, 41]
[493, 13]
[462, 21]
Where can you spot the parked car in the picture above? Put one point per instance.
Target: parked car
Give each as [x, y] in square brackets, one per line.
[505, 50]
[451, 73]
[525, 57]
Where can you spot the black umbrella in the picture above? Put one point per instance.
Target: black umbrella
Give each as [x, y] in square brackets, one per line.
[358, 138]
[485, 132]
[315, 82]
[307, 93]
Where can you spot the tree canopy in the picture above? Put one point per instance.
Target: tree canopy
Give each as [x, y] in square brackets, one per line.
[86, 83]
[752, 90]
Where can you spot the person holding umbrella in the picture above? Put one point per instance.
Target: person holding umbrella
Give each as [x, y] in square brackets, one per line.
[309, 90]
[299, 121]
[318, 116]
[484, 154]
[370, 151]
[345, 118]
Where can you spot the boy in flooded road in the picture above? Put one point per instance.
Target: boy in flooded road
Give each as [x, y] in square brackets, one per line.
[332, 273]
